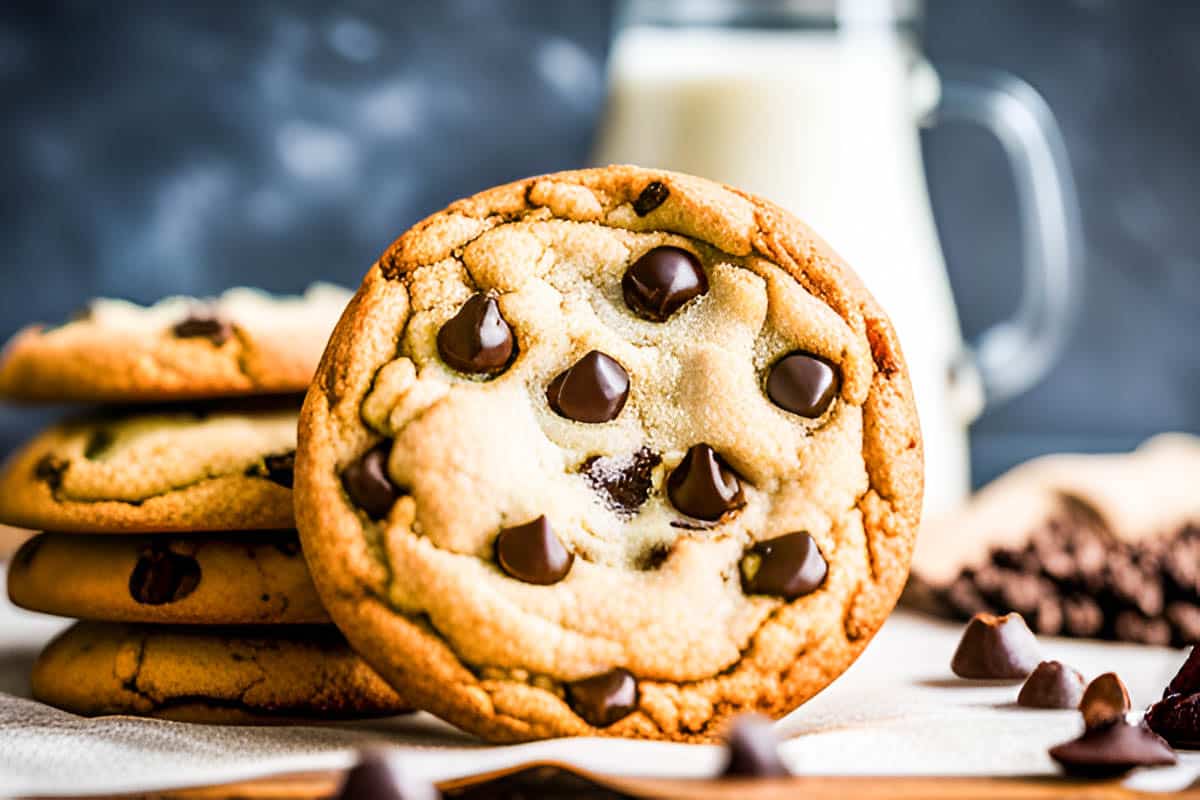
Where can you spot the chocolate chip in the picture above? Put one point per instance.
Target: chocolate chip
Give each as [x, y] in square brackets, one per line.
[1185, 622]
[593, 390]
[995, 648]
[1131, 626]
[532, 553]
[97, 444]
[650, 198]
[477, 339]
[281, 468]
[623, 481]
[161, 576]
[376, 777]
[204, 326]
[753, 749]
[1112, 749]
[803, 384]
[1187, 679]
[50, 469]
[1052, 685]
[654, 557]
[368, 484]
[787, 566]
[661, 281]
[1105, 699]
[703, 486]
[1082, 616]
[605, 698]
[1176, 718]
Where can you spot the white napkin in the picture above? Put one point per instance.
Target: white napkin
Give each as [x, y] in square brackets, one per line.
[898, 711]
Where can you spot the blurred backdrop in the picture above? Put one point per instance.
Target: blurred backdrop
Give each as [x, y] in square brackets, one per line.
[151, 148]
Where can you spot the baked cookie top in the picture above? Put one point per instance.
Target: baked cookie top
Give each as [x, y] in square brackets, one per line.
[226, 467]
[211, 675]
[208, 579]
[614, 451]
[244, 342]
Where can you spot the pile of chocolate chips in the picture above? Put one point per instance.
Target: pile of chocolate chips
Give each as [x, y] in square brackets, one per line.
[1074, 577]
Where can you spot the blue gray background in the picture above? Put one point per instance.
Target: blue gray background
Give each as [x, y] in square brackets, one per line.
[151, 148]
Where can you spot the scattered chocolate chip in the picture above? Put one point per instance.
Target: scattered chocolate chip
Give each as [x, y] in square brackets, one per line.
[703, 485]
[1112, 749]
[532, 553]
[753, 749]
[803, 384]
[1082, 616]
[592, 390]
[623, 481]
[161, 576]
[605, 698]
[650, 198]
[281, 468]
[1052, 685]
[97, 444]
[1105, 699]
[204, 326]
[661, 281]
[376, 777]
[477, 339]
[787, 566]
[368, 484]
[995, 648]
[50, 469]
[1131, 626]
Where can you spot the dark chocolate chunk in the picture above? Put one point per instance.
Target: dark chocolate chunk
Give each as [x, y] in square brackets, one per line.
[623, 481]
[50, 469]
[1052, 685]
[753, 749]
[1187, 679]
[281, 468]
[661, 281]
[532, 553]
[605, 698]
[703, 486]
[162, 576]
[995, 648]
[1176, 718]
[204, 326]
[1112, 749]
[1105, 699]
[787, 566]
[368, 484]
[803, 384]
[650, 198]
[376, 777]
[97, 444]
[477, 339]
[593, 390]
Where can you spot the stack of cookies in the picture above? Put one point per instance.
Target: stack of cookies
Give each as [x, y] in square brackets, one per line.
[168, 513]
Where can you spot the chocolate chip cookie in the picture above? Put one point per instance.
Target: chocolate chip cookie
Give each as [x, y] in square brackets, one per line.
[618, 452]
[213, 675]
[244, 342]
[211, 579]
[216, 468]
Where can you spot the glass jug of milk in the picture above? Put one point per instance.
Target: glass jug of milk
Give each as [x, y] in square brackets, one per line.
[816, 104]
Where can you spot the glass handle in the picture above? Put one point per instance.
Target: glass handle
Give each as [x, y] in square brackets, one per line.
[1013, 355]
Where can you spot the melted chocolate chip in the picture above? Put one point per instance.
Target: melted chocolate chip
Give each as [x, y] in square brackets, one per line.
[593, 390]
[1112, 749]
[703, 486]
[1052, 685]
[281, 468]
[532, 553]
[623, 481]
[97, 444]
[50, 468]
[803, 384]
[995, 648]
[477, 339]
[650, 198]
[661, 281]
[368, 484]
[204, 326]
[605, 698]
[753, 749]
[787, 566]
[162, 576]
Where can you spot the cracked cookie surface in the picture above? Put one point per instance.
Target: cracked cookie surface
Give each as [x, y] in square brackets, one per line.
[225, 467]
[221, 675]
[242, 578]
[245, 342]
[611, 452]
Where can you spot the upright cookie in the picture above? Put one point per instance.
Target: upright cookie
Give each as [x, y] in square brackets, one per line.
[230, 676]
[615, 451]
[210, 579]
[219, 468]
[244, 342]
